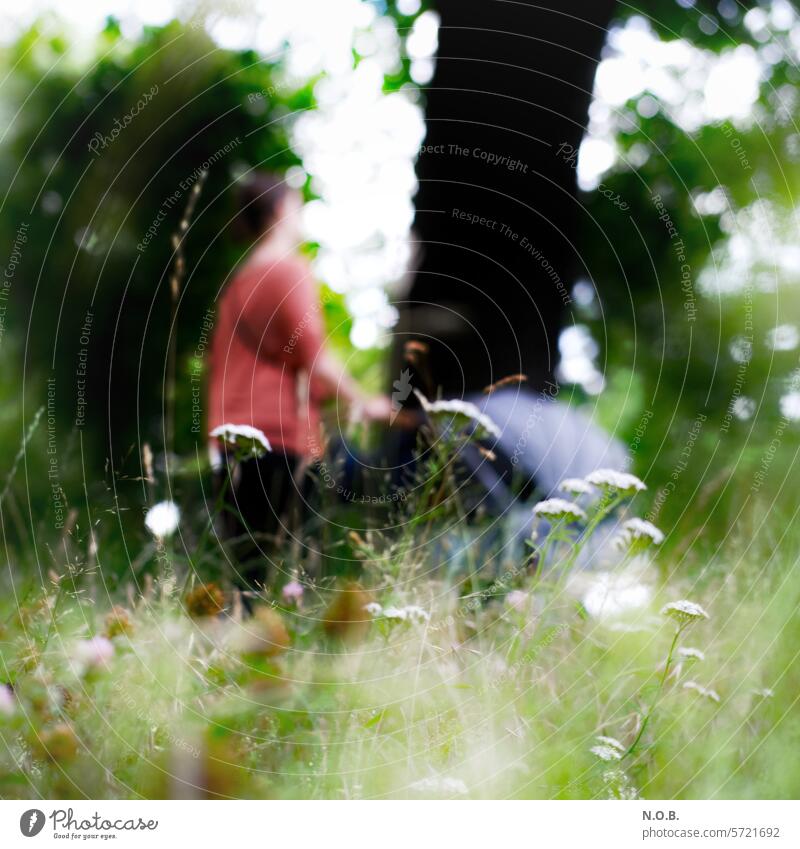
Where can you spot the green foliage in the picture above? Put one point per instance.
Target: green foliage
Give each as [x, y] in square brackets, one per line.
[100, 164]
[659, 329]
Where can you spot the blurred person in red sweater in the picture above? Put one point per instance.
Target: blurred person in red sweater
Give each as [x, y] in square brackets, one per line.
[270, 367]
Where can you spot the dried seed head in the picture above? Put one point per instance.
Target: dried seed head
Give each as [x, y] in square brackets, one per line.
[346, 618]
[264, 634]
[205, 600]
[58, 743]
[118, 621]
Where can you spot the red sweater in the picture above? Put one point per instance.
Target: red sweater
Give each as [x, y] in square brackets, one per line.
[266, 340]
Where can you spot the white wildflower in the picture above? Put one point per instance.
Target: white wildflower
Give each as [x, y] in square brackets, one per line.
[606, 753]
[623, 482]
[702, 691]
[784, 337]
[790, 406]
[373, 608]
[619, 785]
[639, 533]
[765, 693]
[248, 439]
[684, 611]
[611, 741]
[689, 653]
[440, 786]
[409, 613]
[576, 486]
[743, 408]
[162, 519]
[416, 614]
[559, 508]
[7, 705]
[455, 409]
[741, 349]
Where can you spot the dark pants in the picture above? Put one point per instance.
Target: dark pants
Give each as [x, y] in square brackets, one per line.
[266, 502]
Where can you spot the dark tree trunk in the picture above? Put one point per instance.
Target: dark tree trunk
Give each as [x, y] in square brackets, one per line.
[513, 79]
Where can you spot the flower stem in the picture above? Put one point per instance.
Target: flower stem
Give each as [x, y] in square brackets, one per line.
[661, 682]
[219, 503]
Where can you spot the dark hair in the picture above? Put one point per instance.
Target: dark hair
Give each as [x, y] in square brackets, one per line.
[259, 196]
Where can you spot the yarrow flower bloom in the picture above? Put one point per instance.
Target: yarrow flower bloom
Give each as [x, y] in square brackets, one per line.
[790, 405]
[559, 508]
[7, 706]
[162, 519]
[784, 337]
[611, 741]
[416, 614]
[618, 784]
[639, 533]
[409, 613]
[622, 482]
[606, 753]
[440, 785]
[576, 486]
[457, 409]
[689, 653]
[684, 612]
[702, 691]
[97, 651]
[249, 440]
[293, 591]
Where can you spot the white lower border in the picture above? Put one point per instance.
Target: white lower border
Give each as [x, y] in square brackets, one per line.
[403, 825]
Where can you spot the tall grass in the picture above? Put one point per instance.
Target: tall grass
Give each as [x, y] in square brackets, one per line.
[504, 681]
